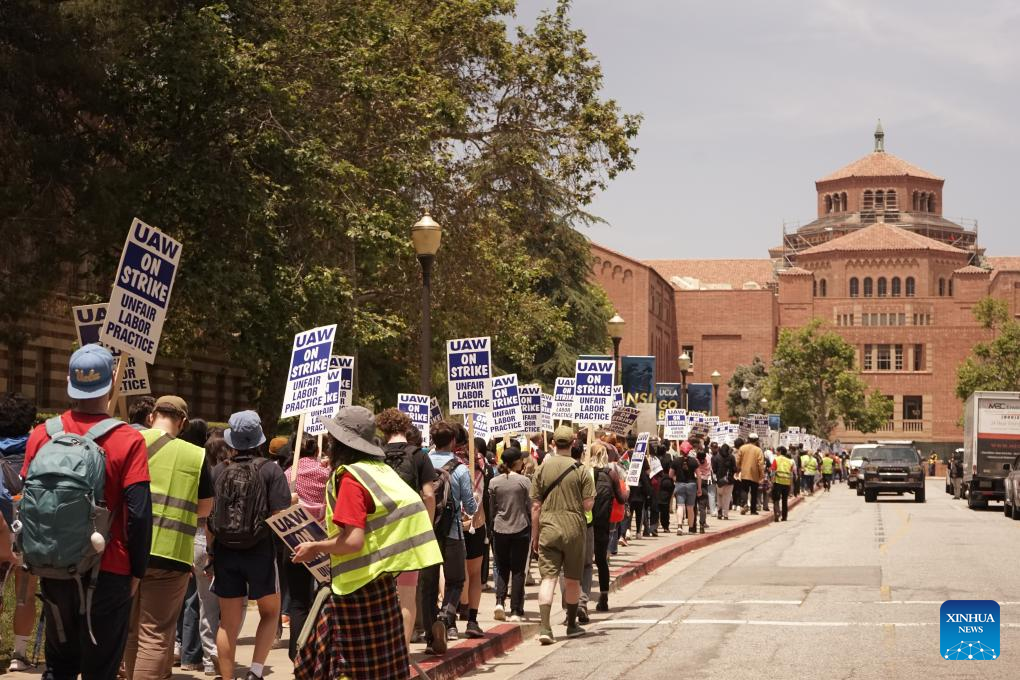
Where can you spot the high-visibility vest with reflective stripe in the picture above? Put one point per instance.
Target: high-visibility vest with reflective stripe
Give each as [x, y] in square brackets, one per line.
[398, 533]
[174, 471]
[826, 466]
[809, 464]
[784, 470]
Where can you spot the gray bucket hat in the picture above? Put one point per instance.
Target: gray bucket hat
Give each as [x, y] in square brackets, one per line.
[245, 431]
[355, 427]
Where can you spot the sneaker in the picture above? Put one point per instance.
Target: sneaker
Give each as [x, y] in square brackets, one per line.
[19, 663]
[252, 676]
[575, 631]
[451, 633]
[209, 669]
[177, 654]
[473, 630]
[499, 613]
[582, 615]
[438, 637]
[515, 618]
[285, 620]
[679, 532]
[603, 603]
[192, 667]
[546, 637]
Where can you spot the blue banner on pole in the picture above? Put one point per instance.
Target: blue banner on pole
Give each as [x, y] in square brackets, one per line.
[638, 379]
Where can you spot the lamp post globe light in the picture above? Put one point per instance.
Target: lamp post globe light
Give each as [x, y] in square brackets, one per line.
[684, 362]
[426, 235]
[764, 404]
[716, 379]
[615, 327]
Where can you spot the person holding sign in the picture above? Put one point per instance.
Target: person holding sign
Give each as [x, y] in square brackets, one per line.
[378, 526]
[561, 493]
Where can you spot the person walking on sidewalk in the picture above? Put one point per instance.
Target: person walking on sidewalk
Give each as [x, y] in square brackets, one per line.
[782, 466]
[509, 503]
[827, 467]
[725, 467]
[377, 526]
[182, 493]
[809, 467]
[751, 463]
[561, 493]
[703, 479]
[610, 493]
[683, 472]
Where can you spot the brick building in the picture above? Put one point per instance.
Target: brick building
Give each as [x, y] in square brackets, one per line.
[880, 265]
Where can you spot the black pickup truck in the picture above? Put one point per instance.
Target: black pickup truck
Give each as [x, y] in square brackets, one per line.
[892, 469]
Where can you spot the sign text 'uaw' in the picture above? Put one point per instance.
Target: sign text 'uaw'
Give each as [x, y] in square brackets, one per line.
[309, 366]
[593, 391]
[338, 394]
[469, 371]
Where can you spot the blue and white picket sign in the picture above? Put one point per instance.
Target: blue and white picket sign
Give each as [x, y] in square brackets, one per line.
[506, 417]
[141, 292]
[416, 406]
[469, 371]
[617, 396]
[531, 408]
[88, 322]
[435, 413]
[339, 391]
[563, 399]
[309, 365]
[637, 459]
[481, 421]
[676, 424]
[624, 418]
[593, 391]
[547, 411]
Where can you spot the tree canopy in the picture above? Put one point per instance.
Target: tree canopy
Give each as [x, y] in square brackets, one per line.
[290, 146]
[813, 383]
[992, 365]
[751, 376]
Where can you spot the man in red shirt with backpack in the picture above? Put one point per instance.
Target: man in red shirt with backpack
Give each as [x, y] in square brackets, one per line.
[87, 617]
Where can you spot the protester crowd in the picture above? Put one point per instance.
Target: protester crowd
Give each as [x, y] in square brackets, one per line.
[147, 540]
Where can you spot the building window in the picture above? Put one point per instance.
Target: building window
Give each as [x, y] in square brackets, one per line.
[868, 287]
[898, 358]
[896, 286]
[902, 319]
[950, 288]
[879, 200]
[814, 288]
[823, 288]
[884, 360]
[942, 287]
[855, 290]
[918, 357]
[842, 201]
[913, 408]
[828, 204]
[868, 365]
[882, 287]
[890, 199]
[911, 288]
[689, 351]
[931, 203]
[869, 200]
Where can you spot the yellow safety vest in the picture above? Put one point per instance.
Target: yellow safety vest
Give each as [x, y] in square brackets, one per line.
[826, 466]
[174, 471]
[809, 464]
[398, 533]
[784, 471]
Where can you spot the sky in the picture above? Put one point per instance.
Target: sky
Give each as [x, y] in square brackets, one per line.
[746, 104]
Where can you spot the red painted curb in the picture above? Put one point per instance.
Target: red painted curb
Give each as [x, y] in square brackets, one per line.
[498, 640]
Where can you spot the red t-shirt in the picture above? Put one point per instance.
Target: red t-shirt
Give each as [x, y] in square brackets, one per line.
[353, 504]
[127, 463]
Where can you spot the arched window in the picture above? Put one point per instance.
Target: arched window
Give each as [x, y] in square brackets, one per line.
[890, 199]
[950, 288]
[931, 203]
[868, 287]
[879, 200]
[842, 201]
[869, 200]
[911, 287]
[942, 287]
[855, 290]
[814, 288]
[823, 288]
[882, 287]
[896, 286]
[916, 202]
[828, 204]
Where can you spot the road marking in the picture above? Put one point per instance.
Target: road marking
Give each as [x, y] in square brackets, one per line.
[886, 593]
[695, 602]
[794, 624]
[634, 622]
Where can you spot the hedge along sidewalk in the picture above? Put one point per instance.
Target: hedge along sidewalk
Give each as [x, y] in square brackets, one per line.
[640, 558]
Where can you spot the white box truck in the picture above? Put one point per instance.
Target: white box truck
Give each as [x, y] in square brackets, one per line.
[991, 441]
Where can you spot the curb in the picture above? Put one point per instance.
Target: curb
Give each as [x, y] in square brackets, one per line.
[500, 639]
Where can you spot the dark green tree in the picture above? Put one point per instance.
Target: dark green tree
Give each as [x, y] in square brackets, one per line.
[995, 364]
[751, 376]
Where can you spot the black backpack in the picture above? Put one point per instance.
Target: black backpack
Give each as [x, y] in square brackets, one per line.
[604, 496]
[446, 507]
[238, 519]
[12, 477]
[400, 457]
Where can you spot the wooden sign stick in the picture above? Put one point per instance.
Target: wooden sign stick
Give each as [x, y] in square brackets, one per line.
[115, 390]
[297, 451]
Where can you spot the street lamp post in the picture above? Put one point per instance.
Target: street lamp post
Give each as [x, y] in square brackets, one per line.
[426, 235]
[616, 326]
[716, 379]
[764, 405]
[685, 364]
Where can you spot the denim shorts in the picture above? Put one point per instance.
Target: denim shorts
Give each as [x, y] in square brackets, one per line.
[686, 493]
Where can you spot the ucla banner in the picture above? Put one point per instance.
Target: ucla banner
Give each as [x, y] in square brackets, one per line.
[638, 379]
[699, 397]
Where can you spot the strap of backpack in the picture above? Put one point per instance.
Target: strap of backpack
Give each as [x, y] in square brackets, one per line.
[102, 428]
[559, 479]
[155, 446]
[54, 426]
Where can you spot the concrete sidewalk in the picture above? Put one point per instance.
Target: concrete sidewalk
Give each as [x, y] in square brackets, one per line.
[634, 561]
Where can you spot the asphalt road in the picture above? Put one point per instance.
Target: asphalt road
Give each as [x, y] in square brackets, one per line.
[844, 589]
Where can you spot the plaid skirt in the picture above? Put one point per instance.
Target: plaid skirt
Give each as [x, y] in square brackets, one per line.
[358, 636]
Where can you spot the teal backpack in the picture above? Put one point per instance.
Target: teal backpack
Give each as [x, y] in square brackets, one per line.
[64, 525]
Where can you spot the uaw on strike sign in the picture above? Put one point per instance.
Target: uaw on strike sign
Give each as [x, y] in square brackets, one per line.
[469, 371]
[88, 321]
[309, 368]
[141, 292]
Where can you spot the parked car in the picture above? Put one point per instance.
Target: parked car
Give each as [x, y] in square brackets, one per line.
[853, 464]
[892, 469]
[1011, 506]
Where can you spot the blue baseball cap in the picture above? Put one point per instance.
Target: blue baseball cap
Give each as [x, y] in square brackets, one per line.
[245, 431]
[90, 372]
